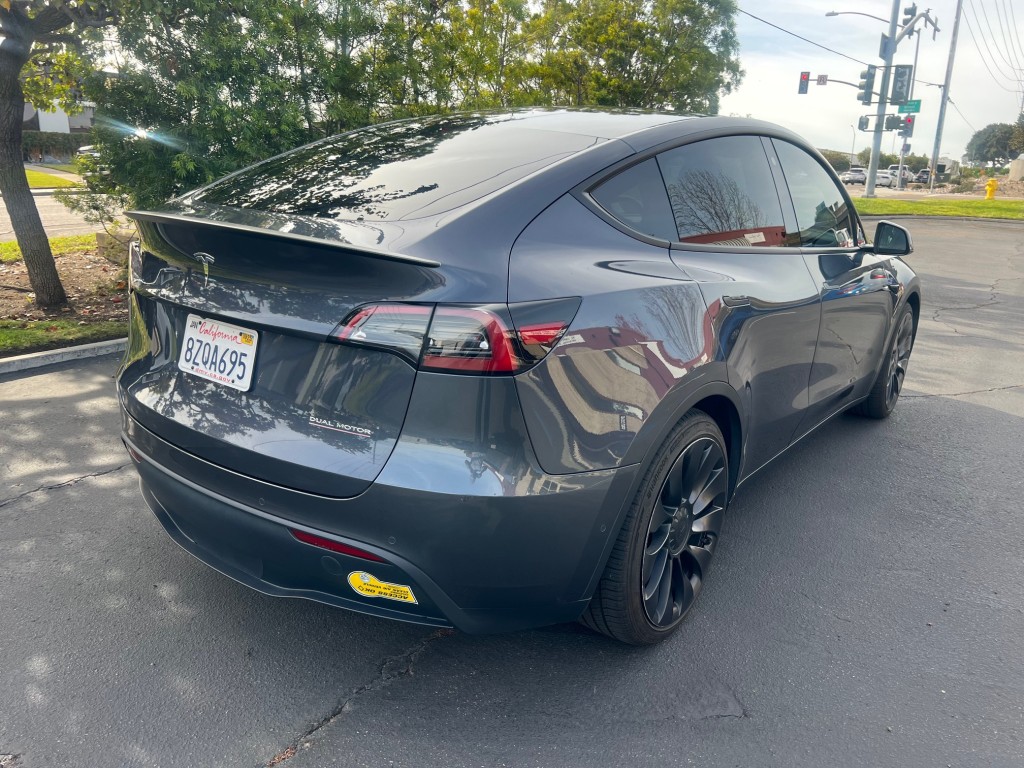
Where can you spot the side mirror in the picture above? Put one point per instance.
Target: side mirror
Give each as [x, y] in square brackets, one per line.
[892, 240]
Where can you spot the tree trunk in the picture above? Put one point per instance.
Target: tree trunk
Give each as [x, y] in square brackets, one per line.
[21, 206]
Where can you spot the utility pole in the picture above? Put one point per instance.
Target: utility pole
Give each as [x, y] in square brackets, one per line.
[888, 48]
[945, 96]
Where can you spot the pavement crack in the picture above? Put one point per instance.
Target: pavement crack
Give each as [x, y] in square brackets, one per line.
[391, 668]
[959, 394]
[65, 484]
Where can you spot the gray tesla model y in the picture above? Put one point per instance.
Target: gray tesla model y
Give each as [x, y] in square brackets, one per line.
[500, 370]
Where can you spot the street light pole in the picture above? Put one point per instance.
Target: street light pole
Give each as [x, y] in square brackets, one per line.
[945, 97]
[888, 48]
[853, 144]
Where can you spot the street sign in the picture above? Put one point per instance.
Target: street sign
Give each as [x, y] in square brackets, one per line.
[906, 149]
[910, 107]
[822, 79]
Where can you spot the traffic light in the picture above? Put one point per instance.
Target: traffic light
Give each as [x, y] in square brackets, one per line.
[862, 123]
[907, 126]
[909, 13]
[892, 122]
[867, 84]
[805, 78]
[902, 77]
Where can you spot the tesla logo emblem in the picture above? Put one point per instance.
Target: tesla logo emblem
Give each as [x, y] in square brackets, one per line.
[206, 260]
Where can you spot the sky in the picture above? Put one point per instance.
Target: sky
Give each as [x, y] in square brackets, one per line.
[985, 88]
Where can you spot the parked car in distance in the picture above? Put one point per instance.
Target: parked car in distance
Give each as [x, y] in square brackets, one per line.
[923, 176]
[884, 179]
[894, 171]
[497, 370]
[855, 175]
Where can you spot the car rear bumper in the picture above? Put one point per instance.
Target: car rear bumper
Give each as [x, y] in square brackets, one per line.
[483, 564]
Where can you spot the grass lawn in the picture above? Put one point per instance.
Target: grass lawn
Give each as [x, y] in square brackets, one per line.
[40, 180]
[59, 245]
[18, 336]
[68, 167]
[937, 206]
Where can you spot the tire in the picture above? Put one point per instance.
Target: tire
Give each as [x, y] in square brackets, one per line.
[885, 392]
[661, 557]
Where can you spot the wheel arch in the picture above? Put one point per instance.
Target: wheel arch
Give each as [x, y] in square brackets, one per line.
[717, 399]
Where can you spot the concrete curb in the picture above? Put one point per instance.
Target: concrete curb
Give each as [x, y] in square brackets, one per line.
[39, 359]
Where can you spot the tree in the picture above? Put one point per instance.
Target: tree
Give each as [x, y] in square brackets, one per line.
[39, 43]
[991, 144]
[662, 54]
[1017, 139]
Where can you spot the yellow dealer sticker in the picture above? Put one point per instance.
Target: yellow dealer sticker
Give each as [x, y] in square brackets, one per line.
[368, 585]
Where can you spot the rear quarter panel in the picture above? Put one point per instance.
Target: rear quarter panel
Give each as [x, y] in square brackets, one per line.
[642, 333]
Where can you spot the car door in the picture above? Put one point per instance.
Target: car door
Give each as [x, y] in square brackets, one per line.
[858, 290]
[735, 239]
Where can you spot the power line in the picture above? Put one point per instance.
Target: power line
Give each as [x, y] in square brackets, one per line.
[1011, 21]
[798, 37]
[1007, 37]
[984, 60]
[1013, 77]
[819, 45]
[950, 102]
[995, 40]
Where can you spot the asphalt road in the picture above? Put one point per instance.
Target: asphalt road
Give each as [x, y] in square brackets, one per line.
[866, 609]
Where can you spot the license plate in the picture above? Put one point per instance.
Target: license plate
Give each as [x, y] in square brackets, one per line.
[218, 351]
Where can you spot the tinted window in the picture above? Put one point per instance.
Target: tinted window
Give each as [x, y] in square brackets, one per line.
[722, 192]
[398, 170]
[821, 210]
[637, 198]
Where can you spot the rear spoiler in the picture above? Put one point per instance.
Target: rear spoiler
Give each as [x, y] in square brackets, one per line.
[177, 218]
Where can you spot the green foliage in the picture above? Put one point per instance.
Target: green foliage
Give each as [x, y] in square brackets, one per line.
[1017, 138]
[991, 144]
[207, 87]
[20, 336]
[840, 161]
[931, 206]
[40, 180]
[55, 144]
[60, 246]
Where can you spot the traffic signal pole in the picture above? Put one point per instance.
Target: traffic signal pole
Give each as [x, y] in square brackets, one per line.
[888, 48]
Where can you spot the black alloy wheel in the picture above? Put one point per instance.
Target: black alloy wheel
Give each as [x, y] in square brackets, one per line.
[663, 553]
[899, 359]
[684, 528]
[893, 371]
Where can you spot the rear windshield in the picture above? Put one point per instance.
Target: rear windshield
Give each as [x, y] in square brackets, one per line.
[398, 170]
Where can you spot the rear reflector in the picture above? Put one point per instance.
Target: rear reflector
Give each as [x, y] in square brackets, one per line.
[335, 546]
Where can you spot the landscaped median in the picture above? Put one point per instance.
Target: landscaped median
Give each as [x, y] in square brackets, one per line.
[97, 295]
[940, 206]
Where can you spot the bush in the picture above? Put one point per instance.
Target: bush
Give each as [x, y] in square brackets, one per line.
[60, 145]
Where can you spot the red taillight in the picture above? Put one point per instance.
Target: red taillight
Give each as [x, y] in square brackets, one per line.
[396, 327]
[544, 334]
[335, 546]
[487, 339]
[469, 340]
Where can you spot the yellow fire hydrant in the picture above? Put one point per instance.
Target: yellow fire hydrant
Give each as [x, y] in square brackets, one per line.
[990, 189]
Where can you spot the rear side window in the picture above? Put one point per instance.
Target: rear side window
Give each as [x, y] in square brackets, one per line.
[821, 210]
[637, 198]
[721, 192]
